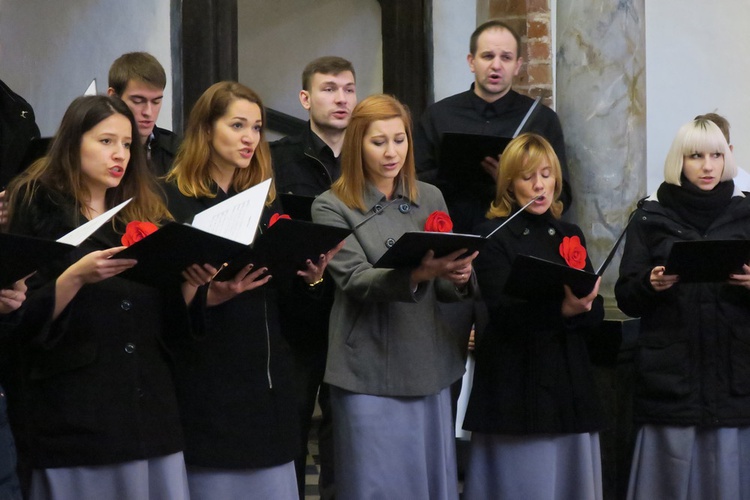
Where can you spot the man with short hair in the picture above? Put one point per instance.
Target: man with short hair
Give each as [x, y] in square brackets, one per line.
[489, 107]
[139, 80]
[307, 164]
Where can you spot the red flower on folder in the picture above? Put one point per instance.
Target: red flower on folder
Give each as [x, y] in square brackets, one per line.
[438, 222]
[136, 230]
[573, 252]
[275, 217]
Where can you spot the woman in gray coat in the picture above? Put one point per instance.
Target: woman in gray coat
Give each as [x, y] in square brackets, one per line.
[391, 360]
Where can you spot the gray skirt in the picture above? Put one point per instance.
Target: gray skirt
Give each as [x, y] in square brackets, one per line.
[542, 467]
[690, 463]
[394, 447]
[160, 478]
[277, 483]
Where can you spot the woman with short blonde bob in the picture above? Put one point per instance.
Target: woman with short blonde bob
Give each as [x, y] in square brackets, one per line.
[391, 360]
[692, 394]
[534, 412]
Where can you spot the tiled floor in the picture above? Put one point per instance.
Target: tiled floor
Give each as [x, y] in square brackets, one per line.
[313, 464]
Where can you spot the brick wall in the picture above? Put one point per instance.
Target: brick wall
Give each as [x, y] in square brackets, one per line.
[531, 19]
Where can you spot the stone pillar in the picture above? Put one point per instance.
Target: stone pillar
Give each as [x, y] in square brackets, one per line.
[601, 101]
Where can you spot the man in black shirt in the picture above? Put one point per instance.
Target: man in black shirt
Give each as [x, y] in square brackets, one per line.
[489, 107]
[139, 80]
[307, 165]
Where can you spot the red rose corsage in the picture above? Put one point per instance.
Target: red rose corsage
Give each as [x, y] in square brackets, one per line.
[275, 217]
[438, 222]
[137, 230]
[573, 252]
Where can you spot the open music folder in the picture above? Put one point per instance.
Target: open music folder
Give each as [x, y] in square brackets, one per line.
[285, 247]
[21, 255]
[412, 246]
[225, 237]
[707, 260]
[461, 157]
[534, 278]
[216, 235]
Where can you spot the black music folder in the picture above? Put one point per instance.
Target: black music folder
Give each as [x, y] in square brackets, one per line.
[284, 247]
[22, 255]
[461, 157]
[534, 278]
[297, 206]
[412, 246]
[165, 253]
[707, 260]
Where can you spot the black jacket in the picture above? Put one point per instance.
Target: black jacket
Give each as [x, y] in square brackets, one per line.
[297, 167]
[532, 372]
[161, 150]
[234, 376]
[299, 170]
[96, 383]
[693, 357]
[17, 129]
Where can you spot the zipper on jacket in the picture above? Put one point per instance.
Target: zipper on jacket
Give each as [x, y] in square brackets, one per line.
[268, 341]
[325, 169]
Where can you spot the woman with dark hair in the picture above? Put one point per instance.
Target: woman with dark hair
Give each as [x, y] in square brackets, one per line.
[391, 359]
[534, 412]
[100, 413]
[234, 376]
[692, 364]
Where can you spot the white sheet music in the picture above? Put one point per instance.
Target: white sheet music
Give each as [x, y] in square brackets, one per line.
[236, 218]
[79, 234]
[91, 90]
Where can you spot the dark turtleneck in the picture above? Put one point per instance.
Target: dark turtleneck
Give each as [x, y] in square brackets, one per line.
[693, 205]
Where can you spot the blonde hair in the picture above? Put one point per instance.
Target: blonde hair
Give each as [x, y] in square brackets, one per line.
[350, 187]
[522, 156]
[191, 171]
[700, 135]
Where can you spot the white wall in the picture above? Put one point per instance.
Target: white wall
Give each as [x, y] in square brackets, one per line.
[453, 22]
[277, 39]
[696, 63]
[50, 50]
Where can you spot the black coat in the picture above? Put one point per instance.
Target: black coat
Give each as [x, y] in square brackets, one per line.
[693, 357]
[95, 383]
[161, 150]
[532, 371]
[17, 129]
[233, 376]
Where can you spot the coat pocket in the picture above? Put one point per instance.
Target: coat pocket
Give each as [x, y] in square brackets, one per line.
[662, 368]
[739, 361]
[49, 363]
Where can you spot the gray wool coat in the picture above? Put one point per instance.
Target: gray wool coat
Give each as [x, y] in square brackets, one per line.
[384, 338]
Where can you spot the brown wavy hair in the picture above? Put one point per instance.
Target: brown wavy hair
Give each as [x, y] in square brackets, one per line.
[523, 155]
[350, 187]
[60, 170]
[191, 171]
